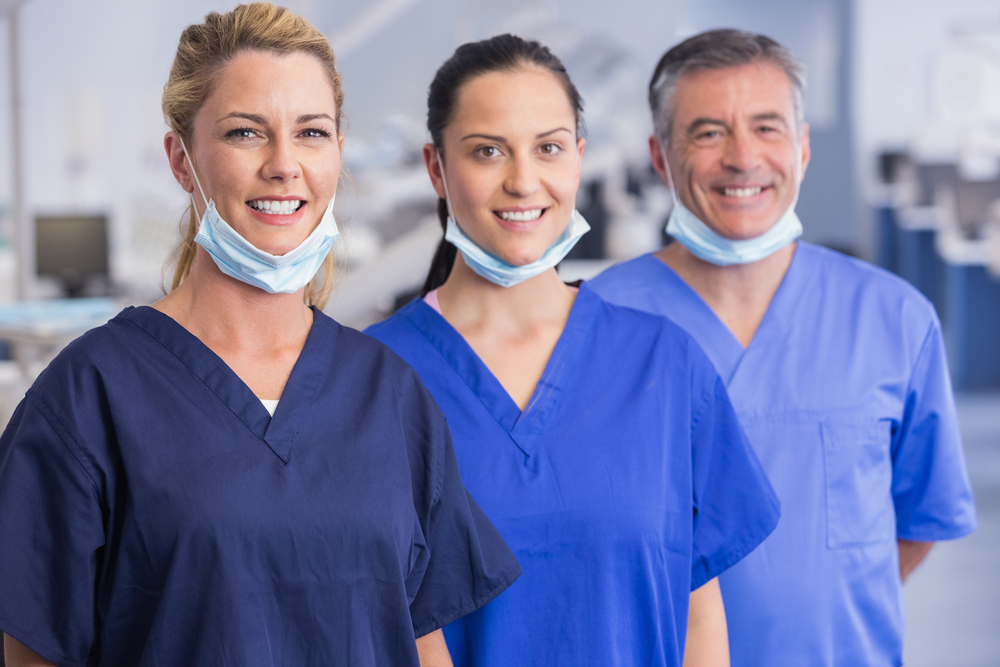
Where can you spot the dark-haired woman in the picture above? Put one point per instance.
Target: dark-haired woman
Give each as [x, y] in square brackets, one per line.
[599, 440]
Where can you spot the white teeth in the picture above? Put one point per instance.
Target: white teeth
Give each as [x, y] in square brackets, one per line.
[286, 207]
[521, 216]
[743, 192]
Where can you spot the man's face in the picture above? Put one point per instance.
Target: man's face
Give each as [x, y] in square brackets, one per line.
[736, 156]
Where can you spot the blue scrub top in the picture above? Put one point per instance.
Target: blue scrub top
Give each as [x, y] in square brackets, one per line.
[844, 393]
[153, 513]
[624, 484]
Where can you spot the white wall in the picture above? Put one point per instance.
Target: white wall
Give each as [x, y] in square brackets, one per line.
[896, 41]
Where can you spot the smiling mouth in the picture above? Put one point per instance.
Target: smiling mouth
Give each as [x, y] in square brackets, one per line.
[742, 192]
[521, 216]
[274, 207]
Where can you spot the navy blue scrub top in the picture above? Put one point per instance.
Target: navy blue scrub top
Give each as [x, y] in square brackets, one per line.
[625, 484]
[153, 513]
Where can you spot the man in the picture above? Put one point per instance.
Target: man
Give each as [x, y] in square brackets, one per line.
[836, 368]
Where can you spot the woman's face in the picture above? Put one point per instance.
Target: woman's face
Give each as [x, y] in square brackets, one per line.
[266, 148]
[511, 161]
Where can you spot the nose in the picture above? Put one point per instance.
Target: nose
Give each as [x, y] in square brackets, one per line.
[741, 151]
[281, 164]
[522, 177]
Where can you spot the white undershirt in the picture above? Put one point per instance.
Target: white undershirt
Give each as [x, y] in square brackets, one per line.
[270, 405]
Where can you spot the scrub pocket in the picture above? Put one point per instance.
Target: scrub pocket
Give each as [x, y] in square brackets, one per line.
[859, 507]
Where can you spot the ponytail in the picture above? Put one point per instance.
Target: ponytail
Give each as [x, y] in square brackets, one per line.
[444, 256]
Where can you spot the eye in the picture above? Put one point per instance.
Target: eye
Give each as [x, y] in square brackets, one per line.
[315, 133]
[488, 151]
[550, 149]
[241, 133]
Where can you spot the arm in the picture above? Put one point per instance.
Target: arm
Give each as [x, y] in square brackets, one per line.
[911, 554]
[432, 650]
[17, 654]
[707, 639]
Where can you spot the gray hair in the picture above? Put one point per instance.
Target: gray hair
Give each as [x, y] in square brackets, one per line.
[718, 49]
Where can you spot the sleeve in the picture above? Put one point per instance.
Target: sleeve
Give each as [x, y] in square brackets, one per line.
[735, 506]
[51, 538]
[930, 484]
[468, 563]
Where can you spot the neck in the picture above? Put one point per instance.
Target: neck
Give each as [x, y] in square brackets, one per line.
[738, 294]
[227, 314]
[468, 299]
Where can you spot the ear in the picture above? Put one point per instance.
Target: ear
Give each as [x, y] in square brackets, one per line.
[434, 168]
[581, 143]
[806, 151]
[178, 163]
[656, 154]
[340, 142]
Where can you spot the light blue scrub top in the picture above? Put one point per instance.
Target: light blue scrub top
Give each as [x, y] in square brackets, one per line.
[624, 484]
[844, 394]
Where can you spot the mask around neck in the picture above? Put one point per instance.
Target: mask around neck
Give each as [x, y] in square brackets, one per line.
[706, 244]
[497, 270]
[238, 258]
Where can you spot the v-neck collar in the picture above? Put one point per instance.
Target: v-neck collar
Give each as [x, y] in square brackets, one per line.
[278, 432]
[715, 338]
[524, 428]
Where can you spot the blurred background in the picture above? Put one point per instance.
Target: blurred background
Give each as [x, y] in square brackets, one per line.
[903, 103]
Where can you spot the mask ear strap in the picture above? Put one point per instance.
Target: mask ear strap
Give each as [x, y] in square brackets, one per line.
[447, 197]
[193, 173]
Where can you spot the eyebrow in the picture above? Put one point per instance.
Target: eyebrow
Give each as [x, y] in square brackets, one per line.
[698, 123]
[770, 115]
[499, 139]
[262, 120]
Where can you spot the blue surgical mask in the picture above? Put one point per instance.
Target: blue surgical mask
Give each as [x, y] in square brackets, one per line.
[238, 258]
[499, 271]
[703, 242]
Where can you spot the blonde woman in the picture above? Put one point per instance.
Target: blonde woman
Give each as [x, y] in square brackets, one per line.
[229, 477]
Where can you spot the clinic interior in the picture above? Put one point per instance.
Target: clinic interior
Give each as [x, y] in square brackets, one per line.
[903, 104]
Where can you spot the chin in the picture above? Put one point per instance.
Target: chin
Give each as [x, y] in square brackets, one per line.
[521, 258]
[745, 230]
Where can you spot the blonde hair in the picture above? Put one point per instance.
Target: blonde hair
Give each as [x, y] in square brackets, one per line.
[204, 50]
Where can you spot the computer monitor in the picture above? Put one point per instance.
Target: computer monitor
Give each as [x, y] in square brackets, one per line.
[72, 248]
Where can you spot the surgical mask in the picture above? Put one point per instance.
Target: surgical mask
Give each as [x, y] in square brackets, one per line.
[499, 271]
[703, 242]
[238, 258]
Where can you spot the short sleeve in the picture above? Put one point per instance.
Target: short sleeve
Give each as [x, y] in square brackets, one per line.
[930, 484]
[735, 506]
[51, 538]
[468, 563]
